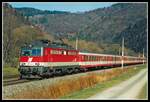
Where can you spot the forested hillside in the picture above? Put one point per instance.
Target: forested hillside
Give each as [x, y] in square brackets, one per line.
[135, 36]
[101, 26]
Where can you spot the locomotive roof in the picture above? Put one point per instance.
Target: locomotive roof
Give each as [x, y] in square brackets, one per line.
[95, 54]
[47, 43]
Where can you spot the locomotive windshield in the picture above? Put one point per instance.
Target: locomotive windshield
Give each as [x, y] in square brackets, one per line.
[31, 52]
[26, 52]
[36, 52]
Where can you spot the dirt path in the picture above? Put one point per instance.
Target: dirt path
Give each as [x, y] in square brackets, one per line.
[128, 89]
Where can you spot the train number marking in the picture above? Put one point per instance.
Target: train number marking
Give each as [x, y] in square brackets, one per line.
[30, 59]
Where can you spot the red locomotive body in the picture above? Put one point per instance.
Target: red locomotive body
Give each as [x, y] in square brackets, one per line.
[44, 59]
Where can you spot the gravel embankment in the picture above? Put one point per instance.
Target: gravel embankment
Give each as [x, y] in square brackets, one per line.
[12, 90]
[17, 88]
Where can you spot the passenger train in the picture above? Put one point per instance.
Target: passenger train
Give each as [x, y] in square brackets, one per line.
[43, 59]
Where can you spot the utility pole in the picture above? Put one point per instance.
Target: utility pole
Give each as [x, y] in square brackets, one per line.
[119, 51]
[122, 51]
[143, 55]
[76, 43]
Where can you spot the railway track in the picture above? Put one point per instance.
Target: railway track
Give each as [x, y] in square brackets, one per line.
[14, 81]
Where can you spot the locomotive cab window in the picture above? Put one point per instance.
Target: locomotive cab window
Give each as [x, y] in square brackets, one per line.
[31, 52]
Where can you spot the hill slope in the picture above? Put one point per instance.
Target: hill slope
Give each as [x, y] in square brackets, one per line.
[102, 24]
[135, 36]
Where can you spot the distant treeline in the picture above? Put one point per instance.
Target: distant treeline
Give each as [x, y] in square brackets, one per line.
[32, 11]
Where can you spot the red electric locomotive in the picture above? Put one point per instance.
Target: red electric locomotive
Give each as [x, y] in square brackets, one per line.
[43, 58]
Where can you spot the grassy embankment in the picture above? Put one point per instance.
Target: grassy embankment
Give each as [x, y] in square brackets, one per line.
[9, 72]
[143, 92]
[82, 87]
[85, 93]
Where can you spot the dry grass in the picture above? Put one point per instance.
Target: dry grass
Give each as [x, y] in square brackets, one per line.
[68, 86]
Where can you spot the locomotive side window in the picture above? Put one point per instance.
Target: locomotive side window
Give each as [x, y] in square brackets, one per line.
[118, 59]
[71, 53]
[103, 59]
[55, 52]
[114, 58]
[90, 58]
[86, 58]
[94, 58]
[99, 58]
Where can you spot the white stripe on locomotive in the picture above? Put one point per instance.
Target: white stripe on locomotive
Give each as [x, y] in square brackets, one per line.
[74, 63]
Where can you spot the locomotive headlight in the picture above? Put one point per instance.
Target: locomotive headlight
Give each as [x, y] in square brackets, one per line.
[22, 64]
[37, 64]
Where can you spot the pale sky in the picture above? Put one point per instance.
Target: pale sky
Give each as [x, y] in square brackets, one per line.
[63, 6]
